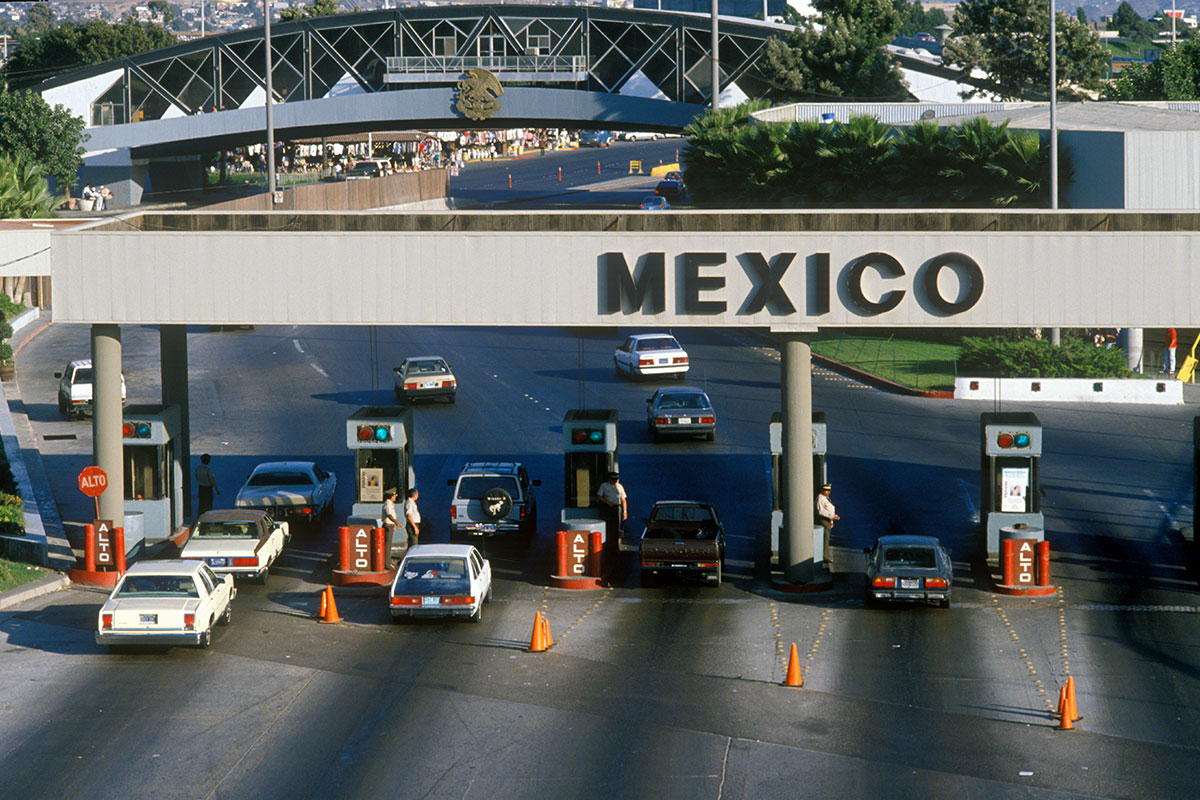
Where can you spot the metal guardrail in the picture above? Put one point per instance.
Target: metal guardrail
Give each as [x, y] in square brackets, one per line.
[441, 64]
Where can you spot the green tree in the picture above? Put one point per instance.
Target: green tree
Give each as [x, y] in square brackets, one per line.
[1175, 76]
[71, 46]
[915, 19]
[36, 134]
[163, 10]
[318, 8]
[24, 193]
[1131, 25]
[39, 18]
[1081, 15]
[1007, 40]
[839, 53]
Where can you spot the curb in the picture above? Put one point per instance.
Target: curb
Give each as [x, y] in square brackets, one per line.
[47, 585]
[883, 383]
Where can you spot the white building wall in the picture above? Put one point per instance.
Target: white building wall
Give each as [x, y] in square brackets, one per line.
[1161, 170]
[78, 96]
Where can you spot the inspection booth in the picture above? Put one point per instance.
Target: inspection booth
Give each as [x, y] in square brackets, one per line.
[589, 454]
[381, 438]
[820, 445]
[153, 482]
[1009, 486]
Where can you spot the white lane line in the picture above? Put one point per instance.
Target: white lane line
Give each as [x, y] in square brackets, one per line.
[318, 369]
[296, 344]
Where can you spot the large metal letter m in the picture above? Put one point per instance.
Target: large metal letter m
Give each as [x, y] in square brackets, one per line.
[621, 292]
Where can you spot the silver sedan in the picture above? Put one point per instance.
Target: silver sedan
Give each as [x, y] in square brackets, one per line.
[681, 411]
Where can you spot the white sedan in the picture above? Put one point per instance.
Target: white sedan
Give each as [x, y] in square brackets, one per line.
[166, 602]
[289, 490]
[441, 580]
[647, 354]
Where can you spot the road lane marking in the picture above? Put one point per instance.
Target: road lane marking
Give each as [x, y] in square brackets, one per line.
[296, 344]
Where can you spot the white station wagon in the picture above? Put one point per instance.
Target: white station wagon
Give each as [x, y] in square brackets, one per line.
[441, 580]
[166, 602]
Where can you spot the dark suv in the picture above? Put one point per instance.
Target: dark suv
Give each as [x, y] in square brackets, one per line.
[493, 498]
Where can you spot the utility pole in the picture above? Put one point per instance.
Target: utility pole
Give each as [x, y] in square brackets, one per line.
[716, 65]
[270, 119]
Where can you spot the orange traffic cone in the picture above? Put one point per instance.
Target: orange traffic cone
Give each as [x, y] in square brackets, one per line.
[1071, 700]
[324, 600]
[549, 638]
[1064, 711]
[793, 673]
[328, 607]
[537, 642]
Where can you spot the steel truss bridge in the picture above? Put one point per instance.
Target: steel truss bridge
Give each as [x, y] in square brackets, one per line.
[642, 68]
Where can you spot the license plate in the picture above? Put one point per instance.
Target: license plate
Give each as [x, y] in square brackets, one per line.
[664, 361]
[216, 562]
[910, 583]
[431, 601]
[684, 421]
[148, 619]
[429, 385]
[486, 527]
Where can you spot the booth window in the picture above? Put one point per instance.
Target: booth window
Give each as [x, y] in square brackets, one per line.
[144, 471]
[390, 461]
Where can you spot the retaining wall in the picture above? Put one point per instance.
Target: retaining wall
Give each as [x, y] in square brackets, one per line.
[1070, 390]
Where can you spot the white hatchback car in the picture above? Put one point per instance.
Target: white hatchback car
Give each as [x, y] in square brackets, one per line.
[647, 354]
[166, 602]
[441, 580]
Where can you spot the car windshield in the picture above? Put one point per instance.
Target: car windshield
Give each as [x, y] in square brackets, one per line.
[681, 514]
[652, 201]
[158, 586]
[474, 487]
[426, 367]
[683, 401]
[226, 529]
[657, 343]
[279, 479]
[433, 576]
[910, 556]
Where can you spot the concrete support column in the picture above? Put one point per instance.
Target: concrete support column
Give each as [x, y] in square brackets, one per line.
[1133, 349]
[107, 418]
[797, 557]
[173, 366]
[1056, 336]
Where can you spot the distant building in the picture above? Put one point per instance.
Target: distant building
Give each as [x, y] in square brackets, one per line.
[727, 8]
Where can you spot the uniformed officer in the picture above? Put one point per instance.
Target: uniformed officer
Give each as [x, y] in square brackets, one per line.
[826, 515]
[612, 495]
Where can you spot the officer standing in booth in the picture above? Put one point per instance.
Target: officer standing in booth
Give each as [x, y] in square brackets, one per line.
[612, 495]
[826, 514]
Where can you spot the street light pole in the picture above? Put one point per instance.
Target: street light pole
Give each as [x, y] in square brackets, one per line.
[716, 68]
[270, 117]
[1053, 112]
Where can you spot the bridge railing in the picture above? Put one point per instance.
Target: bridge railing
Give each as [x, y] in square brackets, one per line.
[420, 65]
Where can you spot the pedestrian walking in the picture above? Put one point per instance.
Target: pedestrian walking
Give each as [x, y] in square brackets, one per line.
[206, 484]
[826, 516]
[1169, 352]
[391, 525]
[412, 517]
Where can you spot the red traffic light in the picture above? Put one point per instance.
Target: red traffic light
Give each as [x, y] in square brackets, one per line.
[135, 430]
[587, 436]
[374, 433]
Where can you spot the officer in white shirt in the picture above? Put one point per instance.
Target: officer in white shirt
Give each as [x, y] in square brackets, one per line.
[612, 496]
[826, 514]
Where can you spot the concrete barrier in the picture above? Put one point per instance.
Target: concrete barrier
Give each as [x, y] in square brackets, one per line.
[1071, 390]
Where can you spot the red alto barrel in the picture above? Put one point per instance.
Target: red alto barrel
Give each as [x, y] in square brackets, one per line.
[89, 548]
[379, 552]
[1006, 562]
[596, 554]
[344, 562]
[1043, 563]
[119, 547]
[564, 551]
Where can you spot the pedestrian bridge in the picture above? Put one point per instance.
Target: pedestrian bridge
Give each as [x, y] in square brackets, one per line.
[554, 66]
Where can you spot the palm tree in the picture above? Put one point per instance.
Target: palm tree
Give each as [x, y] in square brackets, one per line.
[24, 193]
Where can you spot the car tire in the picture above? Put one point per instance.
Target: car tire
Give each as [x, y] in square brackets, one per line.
[452, 398]
[477, 617]
[944, 603]
[711, 436]
[399, 395]
[261, 578]
[617, 367]
[487, 598]
[62, 407]
[227, 615]
[649, 579]
[206, 639]
[720, 574]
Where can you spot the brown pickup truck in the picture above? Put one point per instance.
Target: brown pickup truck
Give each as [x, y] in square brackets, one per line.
[682, 538]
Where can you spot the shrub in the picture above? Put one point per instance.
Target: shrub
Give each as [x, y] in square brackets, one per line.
[8, 484]
[1004, 357]
[12, 519]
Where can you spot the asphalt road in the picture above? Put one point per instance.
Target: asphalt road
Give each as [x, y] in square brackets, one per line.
[648, 692]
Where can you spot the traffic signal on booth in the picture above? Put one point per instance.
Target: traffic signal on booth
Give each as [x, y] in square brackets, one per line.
[136, 430]
[375, 433]
[587, 436]
[1007, 441]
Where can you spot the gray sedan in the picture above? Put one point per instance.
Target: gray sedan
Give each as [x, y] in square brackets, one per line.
[908, 569]
[681, 411]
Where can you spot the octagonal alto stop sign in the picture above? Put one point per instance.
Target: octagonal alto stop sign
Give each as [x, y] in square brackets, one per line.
[93, 481]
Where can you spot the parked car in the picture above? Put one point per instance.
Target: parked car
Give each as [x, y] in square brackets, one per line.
[925, 37]
[908, 569]
[646, 354]
[75, 388]
[165, 603]
[682, 538]
[640, 136]
[673, 175]
[655, 203]
[596, 139]
[364, 169]
[424, 378]
[681, 411]
[291, 490]
[491, 498]
[671, 188]
[441, 580]
[237, 541]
